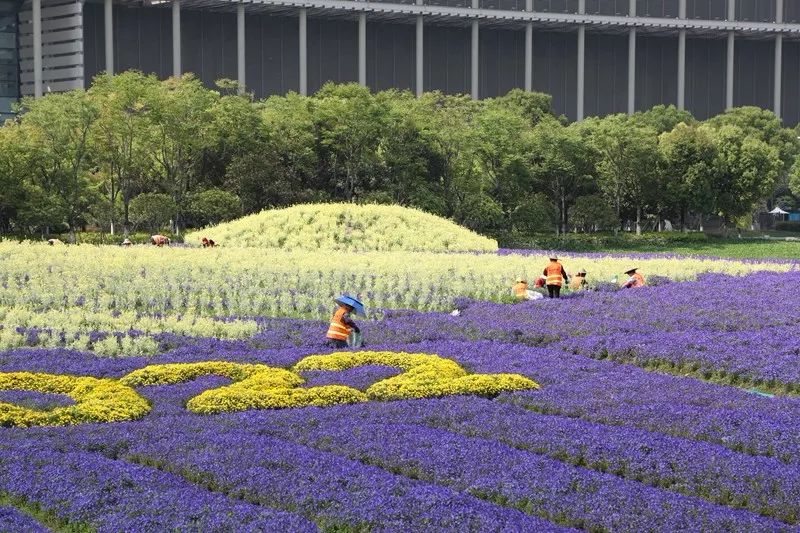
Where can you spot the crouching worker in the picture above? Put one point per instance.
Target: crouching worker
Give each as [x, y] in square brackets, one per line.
[342, 326]
[634, 281]
[522, 293]
[579, 281]
[208, 243]
[159, 240]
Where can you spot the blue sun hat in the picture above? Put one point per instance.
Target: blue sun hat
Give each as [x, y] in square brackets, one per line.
[357, 306]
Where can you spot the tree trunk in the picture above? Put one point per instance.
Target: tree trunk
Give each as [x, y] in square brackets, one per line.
[638, 220]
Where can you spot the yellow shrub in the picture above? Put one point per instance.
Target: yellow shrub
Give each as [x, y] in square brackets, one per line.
[425, 375]
[96, 400]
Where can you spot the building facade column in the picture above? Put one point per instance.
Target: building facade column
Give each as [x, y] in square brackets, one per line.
[475, 56]
[108, 29]
[419, 64]
[240, 49]
[362, 49]
[177, 70]
[730, 64]
[581, 62]
[778, 82]
[529, 49]
[303, 26]
[36, 14]
[682, 59]
[632, 62]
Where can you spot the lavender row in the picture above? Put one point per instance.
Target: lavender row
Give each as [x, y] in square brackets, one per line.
[608, 392]
[14, 520]
[115, 496]
[543, 486]
[335, 492]
[712, 472]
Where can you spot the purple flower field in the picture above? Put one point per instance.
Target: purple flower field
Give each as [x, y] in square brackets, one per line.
[668, 408]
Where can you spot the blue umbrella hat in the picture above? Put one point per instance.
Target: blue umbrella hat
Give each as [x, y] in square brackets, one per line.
[357, 306]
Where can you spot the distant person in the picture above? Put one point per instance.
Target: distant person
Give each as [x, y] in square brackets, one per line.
[127, 243]
[54, 242]
[579, 281]
[634, 281]
[208, 243]
[521, 289]
[342, 326]
[522, 293]
[159, 240]
[555, 277]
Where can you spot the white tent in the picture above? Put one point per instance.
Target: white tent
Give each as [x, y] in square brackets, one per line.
[778, 211]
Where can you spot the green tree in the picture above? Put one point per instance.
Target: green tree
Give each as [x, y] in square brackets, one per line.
[13, 170]
[213, 206]
[281, 169]
[562, 162]
[152, 211]
[58, 130]
[628, 163]
[181, 113]
[531, 106]
[662, 118]
[500, 149]
[593, 213]
[351, 123]
[688, 157]
[446, 124]
[744, 174]
[123, 138]
[408, 161]
[764, 125]
[236, 129]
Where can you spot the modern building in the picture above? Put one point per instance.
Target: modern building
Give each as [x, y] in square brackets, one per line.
[594, 56]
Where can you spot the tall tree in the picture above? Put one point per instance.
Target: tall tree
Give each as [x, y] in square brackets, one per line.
[628, 162]
[687, 157]
[745, 170]
[58, 130]
[562, 162]
[351, 123]
[123, 137]
[180, 111]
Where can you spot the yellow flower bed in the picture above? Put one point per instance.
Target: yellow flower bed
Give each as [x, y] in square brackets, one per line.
[96, 400]
[256, 387]
[425, 375]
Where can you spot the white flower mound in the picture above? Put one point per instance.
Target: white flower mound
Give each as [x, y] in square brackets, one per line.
[346, 227]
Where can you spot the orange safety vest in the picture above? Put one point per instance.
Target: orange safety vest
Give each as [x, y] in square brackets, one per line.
[521, 290]
[577, 283]
[338, 330]
[553, 271]
[638, 280]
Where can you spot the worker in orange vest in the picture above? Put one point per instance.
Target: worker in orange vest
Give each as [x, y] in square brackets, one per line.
[635, 280]
[579, 281]
[521, 289]
[342, 325]
[556, 276]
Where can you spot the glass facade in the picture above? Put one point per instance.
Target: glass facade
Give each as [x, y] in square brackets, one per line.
[9, 63]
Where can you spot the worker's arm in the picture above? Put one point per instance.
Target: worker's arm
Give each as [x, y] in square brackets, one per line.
[564, 275]
[349, 321]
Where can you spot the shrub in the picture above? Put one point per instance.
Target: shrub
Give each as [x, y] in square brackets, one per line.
[152, 210]
[213, 206]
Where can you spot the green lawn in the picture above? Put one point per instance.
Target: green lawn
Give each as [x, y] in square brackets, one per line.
[750, 246]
